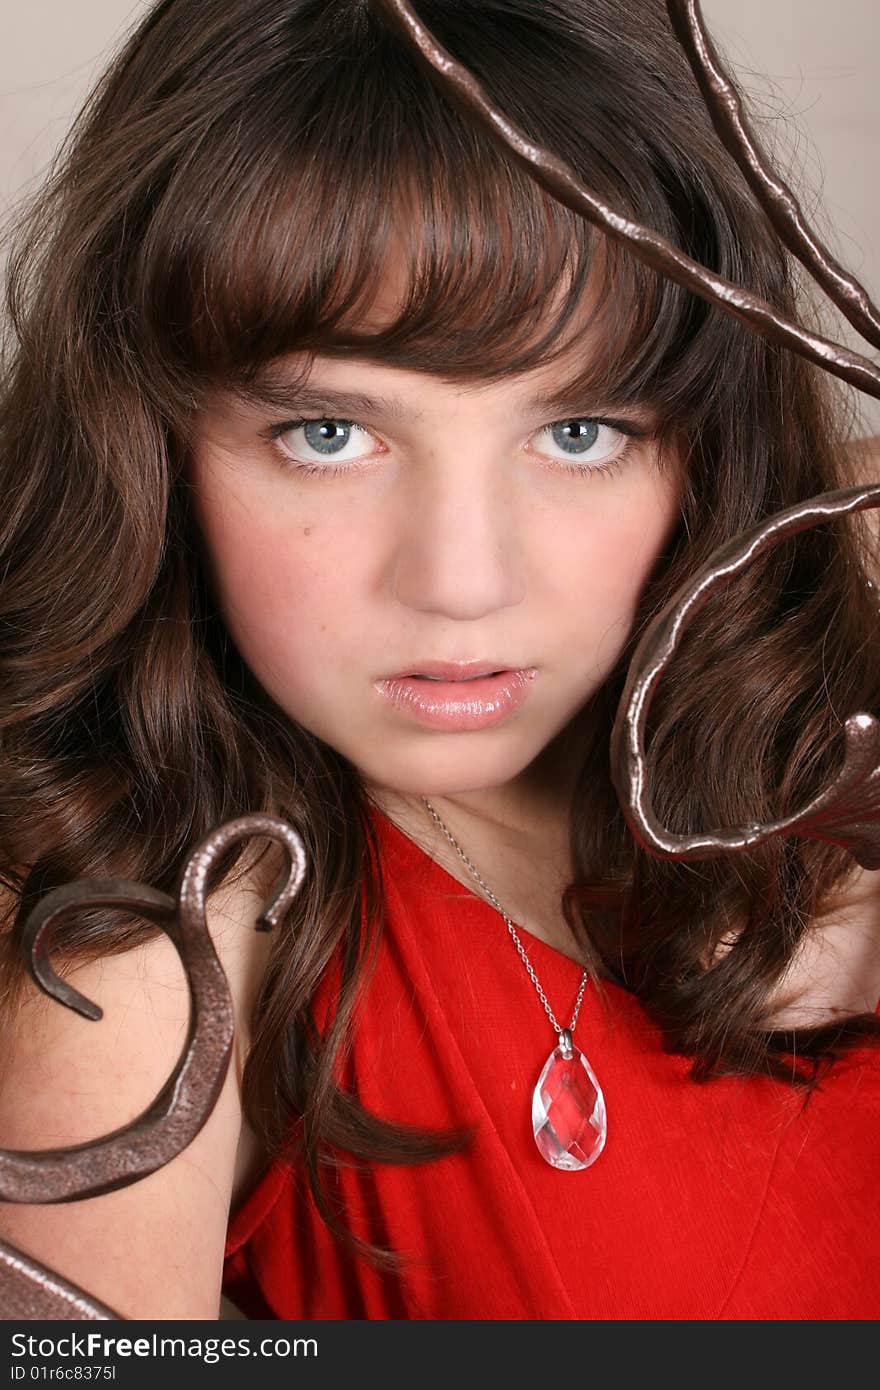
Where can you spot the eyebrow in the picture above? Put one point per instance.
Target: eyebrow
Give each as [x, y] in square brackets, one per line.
[273, 393]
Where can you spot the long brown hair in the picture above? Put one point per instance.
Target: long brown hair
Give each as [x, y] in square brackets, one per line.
[227, 196]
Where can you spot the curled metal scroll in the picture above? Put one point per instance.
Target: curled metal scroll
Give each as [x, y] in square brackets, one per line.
[32, 1292]
[848, 811]
[183, 1105]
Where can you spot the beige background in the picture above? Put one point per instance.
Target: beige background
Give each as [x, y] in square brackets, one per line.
[814, 65]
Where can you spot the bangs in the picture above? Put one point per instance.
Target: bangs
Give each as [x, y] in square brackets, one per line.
[359, 180]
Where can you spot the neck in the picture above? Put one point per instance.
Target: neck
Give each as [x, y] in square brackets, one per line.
[532, 808]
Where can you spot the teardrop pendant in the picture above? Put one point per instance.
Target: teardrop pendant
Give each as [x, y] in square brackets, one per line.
[568, 1109]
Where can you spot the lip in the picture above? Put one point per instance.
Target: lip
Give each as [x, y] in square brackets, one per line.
[452, 670]
[459, 703]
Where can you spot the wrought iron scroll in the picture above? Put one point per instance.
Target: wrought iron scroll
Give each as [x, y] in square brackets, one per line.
[848, 811]
[28, 1289]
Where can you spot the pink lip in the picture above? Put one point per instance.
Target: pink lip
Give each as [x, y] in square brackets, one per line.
[451, 670]
[461, 704]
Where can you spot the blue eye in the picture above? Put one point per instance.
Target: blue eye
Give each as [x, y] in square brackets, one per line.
[588, 443]
[575, 436]
[328, 437]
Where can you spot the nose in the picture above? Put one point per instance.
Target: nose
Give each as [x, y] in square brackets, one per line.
[458, 551]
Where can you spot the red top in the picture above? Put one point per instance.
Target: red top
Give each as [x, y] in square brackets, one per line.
[722, 1200]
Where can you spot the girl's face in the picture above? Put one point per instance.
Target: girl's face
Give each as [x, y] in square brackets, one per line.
[413, 520]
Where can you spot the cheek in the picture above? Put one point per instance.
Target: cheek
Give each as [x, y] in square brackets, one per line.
[276, 575]
[611, 551]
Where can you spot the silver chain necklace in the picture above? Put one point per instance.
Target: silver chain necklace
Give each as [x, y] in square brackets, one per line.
[568, 1108]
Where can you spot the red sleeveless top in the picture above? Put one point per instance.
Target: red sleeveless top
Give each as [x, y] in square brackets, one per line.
[724, 1200]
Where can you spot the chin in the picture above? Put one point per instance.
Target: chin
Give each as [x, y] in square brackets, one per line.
[449, 771]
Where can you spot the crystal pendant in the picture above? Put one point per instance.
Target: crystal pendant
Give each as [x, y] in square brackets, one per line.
[568, 1109]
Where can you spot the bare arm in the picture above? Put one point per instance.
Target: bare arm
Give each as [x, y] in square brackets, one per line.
[154, 1249]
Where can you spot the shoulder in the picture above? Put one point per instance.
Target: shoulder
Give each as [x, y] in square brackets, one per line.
[152, 971]
[836, 972]
[153, 1249]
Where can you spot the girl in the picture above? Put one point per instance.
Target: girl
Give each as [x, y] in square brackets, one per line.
[344, 467]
